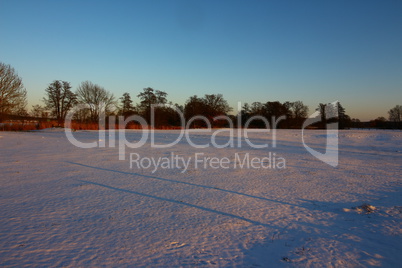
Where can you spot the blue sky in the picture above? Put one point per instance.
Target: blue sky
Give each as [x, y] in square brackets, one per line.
[313, 51]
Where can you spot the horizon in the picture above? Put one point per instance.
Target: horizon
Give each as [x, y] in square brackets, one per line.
[310, 51]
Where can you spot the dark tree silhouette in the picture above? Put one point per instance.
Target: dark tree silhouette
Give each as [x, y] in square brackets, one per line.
[210, 106]
[343, 119]
[245, 114]
[256, 108]
[161, 97]
[216, 104]
[299, 110]
[323, 113]
[333, 112]
[195, 106]
[395, 114]
[126, 108]
[59, 99]
[259, 113]
[150, 97]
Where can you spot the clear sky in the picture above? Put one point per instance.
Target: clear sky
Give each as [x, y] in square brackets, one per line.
[313, 51]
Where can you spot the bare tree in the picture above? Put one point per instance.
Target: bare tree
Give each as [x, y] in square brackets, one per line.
[395, 114]
[97, 98]
[59, 99]
[210, 106]
[13, 98]
[300, 111]
[256, 108]
[215, 105]
[38, 111]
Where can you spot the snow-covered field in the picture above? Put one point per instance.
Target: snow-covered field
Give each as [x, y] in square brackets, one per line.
[66, 206]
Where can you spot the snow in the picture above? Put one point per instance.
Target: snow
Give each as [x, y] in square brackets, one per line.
[66, 206]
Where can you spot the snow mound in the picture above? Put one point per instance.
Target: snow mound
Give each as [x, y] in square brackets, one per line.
[364, 208]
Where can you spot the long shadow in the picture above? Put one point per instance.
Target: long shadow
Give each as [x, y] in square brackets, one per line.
[352, 230]
[186, 183]
[176, 202]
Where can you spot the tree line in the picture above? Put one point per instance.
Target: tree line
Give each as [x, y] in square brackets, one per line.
[59, 99]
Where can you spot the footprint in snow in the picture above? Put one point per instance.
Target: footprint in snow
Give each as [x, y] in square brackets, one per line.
[174, 245]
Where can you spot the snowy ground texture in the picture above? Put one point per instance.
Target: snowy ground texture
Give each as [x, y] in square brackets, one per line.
[64, 206]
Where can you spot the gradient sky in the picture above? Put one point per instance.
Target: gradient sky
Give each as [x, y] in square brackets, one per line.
[313, 51]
